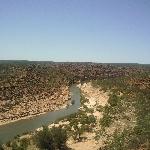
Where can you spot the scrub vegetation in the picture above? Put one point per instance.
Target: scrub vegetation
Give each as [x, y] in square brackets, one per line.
[114, 113]
[129, 103]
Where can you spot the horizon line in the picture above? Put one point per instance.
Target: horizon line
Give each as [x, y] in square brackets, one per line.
[73, 61]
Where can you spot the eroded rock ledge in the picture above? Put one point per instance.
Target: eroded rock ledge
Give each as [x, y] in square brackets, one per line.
[36, 105]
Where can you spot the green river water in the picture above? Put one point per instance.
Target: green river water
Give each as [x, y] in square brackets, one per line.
[8, 131]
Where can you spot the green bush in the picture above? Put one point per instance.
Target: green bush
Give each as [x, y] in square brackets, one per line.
[15, 146]
[24, 143]
[117, 142]
[113, 100]
[106, 120]
[59, 137]
[51, 139]
[8, 144]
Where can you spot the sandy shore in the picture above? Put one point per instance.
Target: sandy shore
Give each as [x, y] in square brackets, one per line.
[96, 97]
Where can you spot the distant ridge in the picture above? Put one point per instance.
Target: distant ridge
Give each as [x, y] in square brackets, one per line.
[41, 62]
[12, 61]
[22, 62]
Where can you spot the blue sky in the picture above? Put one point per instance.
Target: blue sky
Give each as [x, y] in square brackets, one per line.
[75, 30]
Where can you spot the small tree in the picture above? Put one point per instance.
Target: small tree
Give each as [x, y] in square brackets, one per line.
[59, 137]
[51, 139]
[44, 139]
[113, 100]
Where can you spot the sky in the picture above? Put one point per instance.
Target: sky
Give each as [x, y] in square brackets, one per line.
[75, 30]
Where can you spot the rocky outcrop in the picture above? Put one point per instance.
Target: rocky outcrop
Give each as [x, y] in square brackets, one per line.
[31, 106]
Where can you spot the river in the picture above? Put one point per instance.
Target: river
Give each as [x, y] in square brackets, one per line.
[8, 131]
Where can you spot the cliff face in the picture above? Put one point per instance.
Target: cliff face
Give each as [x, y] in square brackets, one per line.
[28, 90]
[31, 106]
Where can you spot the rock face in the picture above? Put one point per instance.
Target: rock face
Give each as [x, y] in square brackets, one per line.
[31, 106]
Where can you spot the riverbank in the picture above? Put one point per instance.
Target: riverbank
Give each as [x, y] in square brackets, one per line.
[95, 97]
[92, 99]
[11, 130]
[29, 109]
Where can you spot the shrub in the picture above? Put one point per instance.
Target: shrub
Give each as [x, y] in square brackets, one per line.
[8, 144]
[24, 143]
[106, 120]
[117, 143]
[113, 100]
[51, 139]
[44, 139]
[59, 137]
[14, 146]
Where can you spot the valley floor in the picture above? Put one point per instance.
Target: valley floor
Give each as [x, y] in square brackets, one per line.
[110, 116]
[95, 97]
